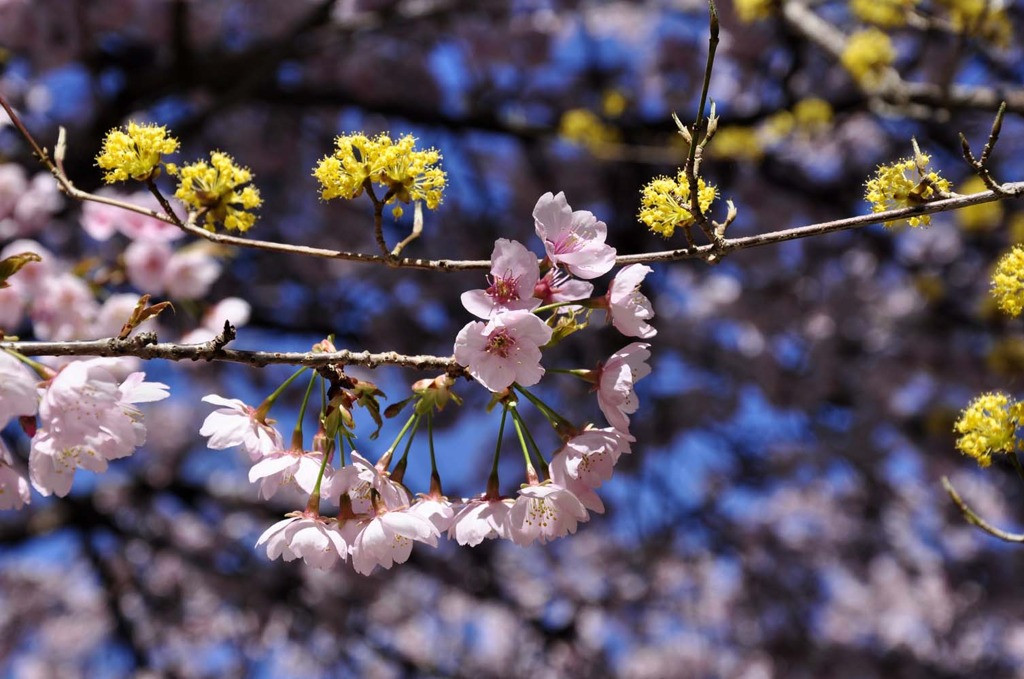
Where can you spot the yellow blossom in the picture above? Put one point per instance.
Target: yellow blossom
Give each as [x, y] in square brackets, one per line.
[981, 18]
[665, 203]
[981, 217]
[134, 153]
[812, 114]
[754, 10]
[1006, 357]
[778, 126]
[867, 55]
[405, 173]
[886, 13]
[737, 142]
[988, 425]
[583, 127]
[222, 189]
[613, 103]
[892, 188]
[1008, 281]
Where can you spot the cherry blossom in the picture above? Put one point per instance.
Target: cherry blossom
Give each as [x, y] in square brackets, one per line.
[574, 239]
[628, 308]
[14, 489]
[558, 285]
[438, 510]
[558, 469]
[358, 479]
[615, 380]
[18, 394]
[314, 539]
[102, 221]
[291, 467]
[387, 539]
[514, 274]
[236, 424]
[480, 519]
[590, 456]
[544, 512]
[86, 419]
[504, 350]
[154, 267]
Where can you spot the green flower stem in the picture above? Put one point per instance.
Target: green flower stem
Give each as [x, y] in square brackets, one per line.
[557, 421]
[385, 459]
[525, 431]
[297, 433]
[592, 303]
[435, 477]
[399, 473]
[313, 505]
[43, 371]
[492, 479]
[261, 412]
[585, 374]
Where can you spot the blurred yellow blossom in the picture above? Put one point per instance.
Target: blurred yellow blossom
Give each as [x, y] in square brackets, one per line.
[982, 217]
[892, 188]
[1008, 281]
[135, 152]
[867, 55]
[983, 18]
[665, 203]
[737, 142]
[754, 10]
[886, 13]
[583, 127]
[988, 425]
[222, 189]
[613, 103]
[812, 115]
[406, 173]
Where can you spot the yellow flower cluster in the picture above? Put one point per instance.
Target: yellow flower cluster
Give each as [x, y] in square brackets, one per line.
[583, 127]
[867, 55]
[1008, 281]
[754, 10]
[222, 189]
[812, 114]
[987, 426]
[982, 18]
[665, 203]
[134, 153]
[737, 142]
[405, 173]
[887, 13]
[891, 188]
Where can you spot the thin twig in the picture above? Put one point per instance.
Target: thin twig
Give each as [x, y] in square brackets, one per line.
[145, 346]
[972, 517]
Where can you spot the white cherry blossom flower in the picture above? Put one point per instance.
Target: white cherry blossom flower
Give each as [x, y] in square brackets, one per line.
[358, 479]
[504, 350]
[590, 456]
[291, 467]
[544, 511]
[573, 239]
[14, 489]
[514, 274]
[615, 381]
[628, 308]
[438, 510]
[387, 539]
[86, 418]
[18, 393]
[480, 519]
[236, 424]
[314, 539]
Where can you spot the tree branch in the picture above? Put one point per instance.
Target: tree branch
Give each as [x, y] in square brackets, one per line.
[977, 520]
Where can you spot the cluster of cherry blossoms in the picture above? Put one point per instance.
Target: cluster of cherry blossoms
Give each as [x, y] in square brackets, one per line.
[86, 418]
[528, 306]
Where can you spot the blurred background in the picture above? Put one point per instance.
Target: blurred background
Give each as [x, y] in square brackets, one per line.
[781, 515]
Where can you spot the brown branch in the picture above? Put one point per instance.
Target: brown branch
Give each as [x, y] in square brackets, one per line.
[145, 346]
[972, 517]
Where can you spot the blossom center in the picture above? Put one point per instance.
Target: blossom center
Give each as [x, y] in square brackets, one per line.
[504, 289]
[501, 343]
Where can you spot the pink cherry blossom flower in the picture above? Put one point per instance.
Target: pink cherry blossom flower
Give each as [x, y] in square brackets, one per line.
[13, 185]
[439, 511]
[12, 309]
[292, 467]
[86, 419]
[590, 456]
[112, 315]
[18, 394]
[190, 273]
[32, 276]
[480, 519]
[574, 239]
[581, 489]
[544, 512]
[103, 221]
[314, 539]
[615, 380]
[236, 424]
[358, 479]
[514, 274]
[34, 207]
[63, 308]
[558, 286]
[146, 265]
[628, 308]
[504, 350]
[387, 539]
[14, 489]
